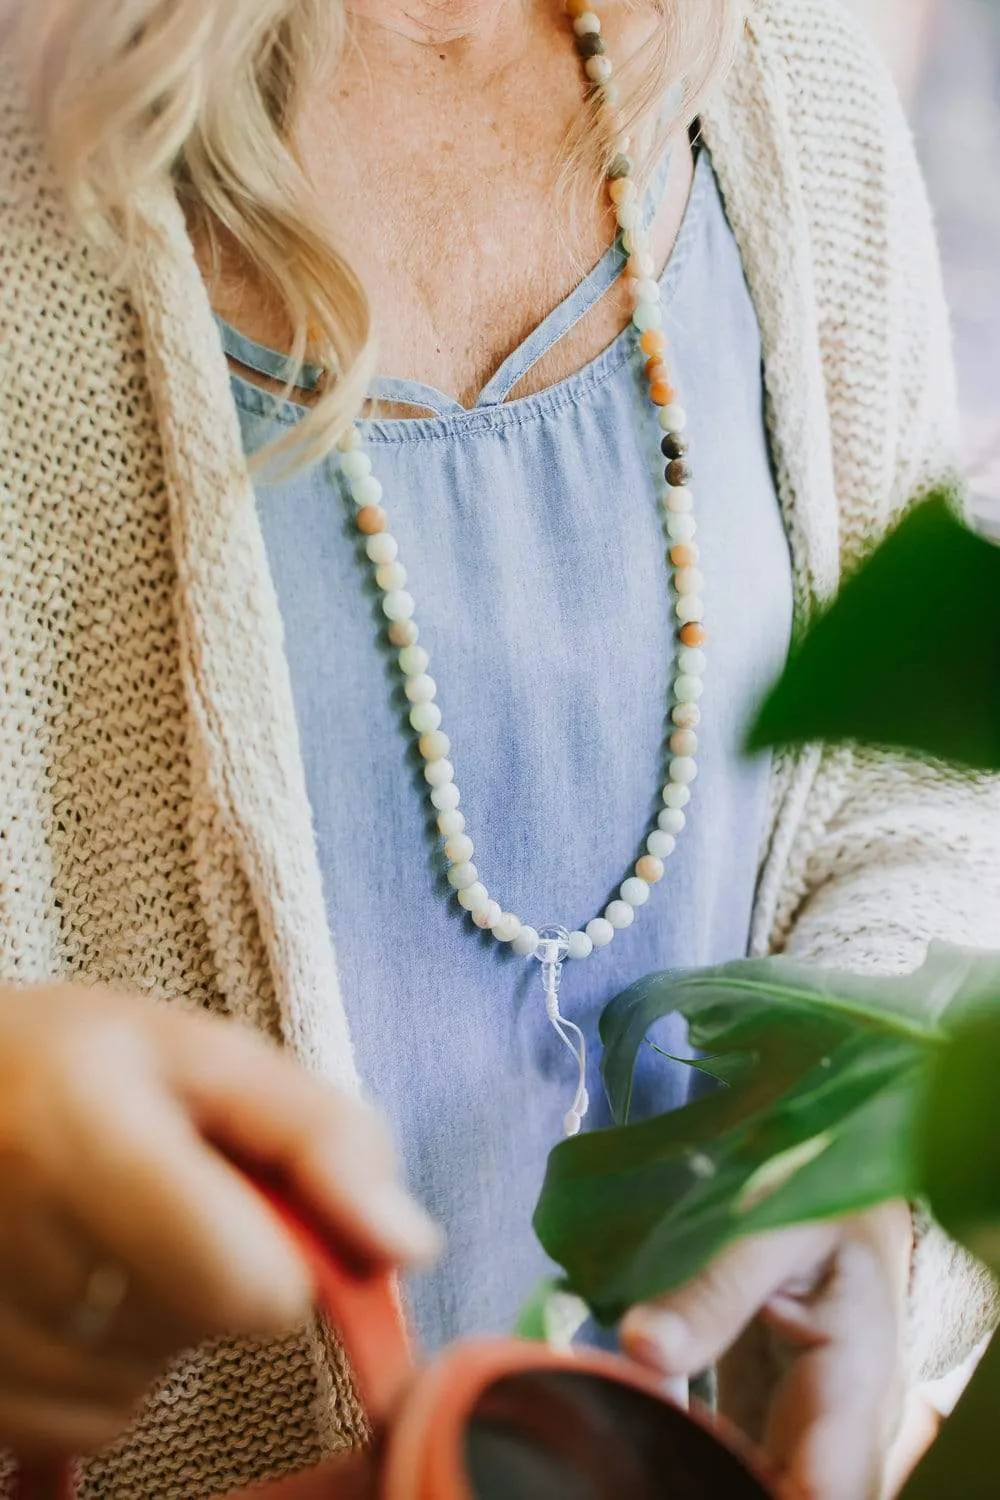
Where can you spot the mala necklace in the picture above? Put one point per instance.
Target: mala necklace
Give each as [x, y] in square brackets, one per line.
[553, 945]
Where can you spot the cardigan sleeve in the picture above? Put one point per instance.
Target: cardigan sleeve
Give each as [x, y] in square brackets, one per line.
[900, 852]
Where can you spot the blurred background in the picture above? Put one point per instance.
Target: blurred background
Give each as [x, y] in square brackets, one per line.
[946, 57]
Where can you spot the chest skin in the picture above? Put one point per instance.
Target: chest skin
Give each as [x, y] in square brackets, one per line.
[444, 177]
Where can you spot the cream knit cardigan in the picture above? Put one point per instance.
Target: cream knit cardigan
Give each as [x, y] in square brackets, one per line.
[154, 826]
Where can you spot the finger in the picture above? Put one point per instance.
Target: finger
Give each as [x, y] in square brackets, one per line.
[833, 1416]
[334, 1153]
[33, 1359]
[35, 1427]
[687, 1331]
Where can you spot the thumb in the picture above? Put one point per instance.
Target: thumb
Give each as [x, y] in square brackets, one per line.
[686, 1331]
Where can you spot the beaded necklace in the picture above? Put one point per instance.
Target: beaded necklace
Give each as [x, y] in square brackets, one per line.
[552, 945]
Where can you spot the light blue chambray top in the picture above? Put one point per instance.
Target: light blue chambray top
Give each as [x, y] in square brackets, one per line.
[534, 544]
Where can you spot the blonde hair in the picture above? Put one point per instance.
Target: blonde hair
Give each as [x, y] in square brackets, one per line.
[129, 91]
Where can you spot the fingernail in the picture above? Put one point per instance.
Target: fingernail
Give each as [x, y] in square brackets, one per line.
[655, 1337]
[403, 1227]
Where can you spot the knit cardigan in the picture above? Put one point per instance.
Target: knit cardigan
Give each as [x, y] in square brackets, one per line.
[155, 831]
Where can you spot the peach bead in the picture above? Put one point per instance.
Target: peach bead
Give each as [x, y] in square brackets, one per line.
[371, 519]
[403, 633]
[577, 8]
[656, 370]
[662, 393]
[649, 869]
[683, 742]
[621, 190]
[653, 343]
[693, 635]
[684, 555]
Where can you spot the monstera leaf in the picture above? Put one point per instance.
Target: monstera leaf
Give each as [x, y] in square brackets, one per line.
[830, 1066]
[908, 655]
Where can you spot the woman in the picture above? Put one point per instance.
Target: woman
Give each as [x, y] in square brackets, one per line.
[196, 669]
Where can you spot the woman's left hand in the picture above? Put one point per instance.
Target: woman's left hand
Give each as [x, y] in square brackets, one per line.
[830, 1300]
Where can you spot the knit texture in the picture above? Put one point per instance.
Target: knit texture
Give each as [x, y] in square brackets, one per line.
[154, 826]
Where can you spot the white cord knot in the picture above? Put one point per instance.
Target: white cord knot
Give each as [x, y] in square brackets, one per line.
[550, 952]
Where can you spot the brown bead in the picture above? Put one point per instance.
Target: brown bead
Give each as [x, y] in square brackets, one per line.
[403, 633]
[684, 555]
[371, 519]
[678, 472]
[621, 166]
[673, 446]
[693, 635]
[590, 45]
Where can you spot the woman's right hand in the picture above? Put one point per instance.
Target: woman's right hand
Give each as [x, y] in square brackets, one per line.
[125, 1233]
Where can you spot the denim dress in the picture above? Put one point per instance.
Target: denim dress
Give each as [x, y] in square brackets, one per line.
[534, 544]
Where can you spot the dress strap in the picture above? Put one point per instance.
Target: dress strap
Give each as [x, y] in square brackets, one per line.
[264, 361]
[575, 307]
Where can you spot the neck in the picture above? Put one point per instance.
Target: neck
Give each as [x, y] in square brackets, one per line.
[461, 25]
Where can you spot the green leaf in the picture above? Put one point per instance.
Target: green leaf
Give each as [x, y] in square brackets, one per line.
[551, 1315]
[960, 1127]
[833, 1064]
[908, 655]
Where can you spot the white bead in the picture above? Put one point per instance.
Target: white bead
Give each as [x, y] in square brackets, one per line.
[399, 605]
[439, 772]
[366, 491]
[661, 845]
[588, 24]
[678, 499]
[626, 191]
[688, 689]
[693, 661]
[451, 823]
[634, 892]
[424, 717]
[627, 213]
[611, 94]
[474, 898]
[486, 919]
[690, 608]
[689, 581]
[686, 715]
[526, 942]
[681, 528]
[382, 547]
[390, 576]
[683, 769]
[647, 290]
[675, 795]
[673, 418]
[671, 822]
[420, 689]
[413, 660]
[459, 876]
[598, 69]
[578, 945]
[506, 928]
[619, 914]
[641, 265]
[445, 797]
[349, 438]
[600, 932]
[647, 315]
[356, 465]
[459, 849]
